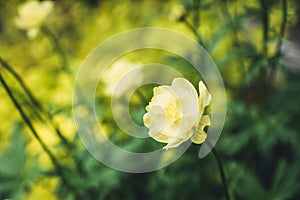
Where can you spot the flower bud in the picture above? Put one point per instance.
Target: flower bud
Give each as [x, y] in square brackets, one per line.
[178, 13]
[32, 14]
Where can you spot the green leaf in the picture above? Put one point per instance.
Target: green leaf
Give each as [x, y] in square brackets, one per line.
[18, 169]
[285, 181]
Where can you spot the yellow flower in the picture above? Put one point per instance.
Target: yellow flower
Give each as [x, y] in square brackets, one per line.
[132, 75]
[32, 14]
[178, 13]
[175, 113]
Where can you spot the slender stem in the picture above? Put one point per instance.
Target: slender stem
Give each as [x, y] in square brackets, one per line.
[225, 11]
[27, 121]
[234, 38]
[265, 25]
[221, 169]
[35, 102]
[222, 173]
[194, 30]
[265, 35]
[21, 82]
[196, 13]
[282, 30]
[141, 96]
[283, 26]
[40, 110]
[56, 47]
[278, 53]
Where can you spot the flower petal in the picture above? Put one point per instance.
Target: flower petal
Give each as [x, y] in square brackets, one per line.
[175, 142]
[200, 135]
[162, 95]
[188, 97]
[160, 137]
[155, 118]
[204, 94]
[183, 89]
[33, 13]
[32, 33]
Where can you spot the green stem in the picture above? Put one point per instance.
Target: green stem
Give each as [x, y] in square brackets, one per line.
[27, 121]
[40, 109]
[283, 26]
[196, 13]
[265, 23]
[56, 47]
[225, 11]
[282, 30]
[277, 55]
[21, 82]
[222, 173]
[265, 34]
[35, 102]
[234, 38]
[194, 30]
[141, 96]
[221, 169]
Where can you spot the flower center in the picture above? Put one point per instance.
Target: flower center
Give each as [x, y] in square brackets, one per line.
[171, 110]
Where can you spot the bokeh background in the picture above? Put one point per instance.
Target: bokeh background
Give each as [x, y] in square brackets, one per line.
[255, 45]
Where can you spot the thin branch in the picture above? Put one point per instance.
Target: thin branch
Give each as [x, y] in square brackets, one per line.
[27, 121]
[265, 25]
[196, 13]
[221, 169]
[235, 37]
[56, 47]
[21, 82]
[141, 96]
[282, 28]
[35, 102]
[222, 173]
[40, 110]
[278, 53]
[265, 34]
[194, 30]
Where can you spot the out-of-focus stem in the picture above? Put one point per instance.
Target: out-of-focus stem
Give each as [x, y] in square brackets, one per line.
[235, 38]
[21, 82]
[222, 173]
[194, 30]
[142, 96]
[27, 121]
[221, 169]
[40, 109]
[283, 25]
[265, 25]
[56, 47]
[277, 55]
[197, 13]
[265, 35]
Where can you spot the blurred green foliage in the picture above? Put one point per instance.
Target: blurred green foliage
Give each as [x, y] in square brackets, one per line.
[259, 144]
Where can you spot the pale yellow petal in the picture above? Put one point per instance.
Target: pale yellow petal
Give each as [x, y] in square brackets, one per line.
[33, 13]
[200, 135]
[122, 76]
[160, 137]
[175, 142]
[32, 33]
[183, 87]
[204, 95]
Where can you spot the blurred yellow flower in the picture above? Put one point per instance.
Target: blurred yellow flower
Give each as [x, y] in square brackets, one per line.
[124, 71]
[177, 13]
[32, 14]
[175, 113]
